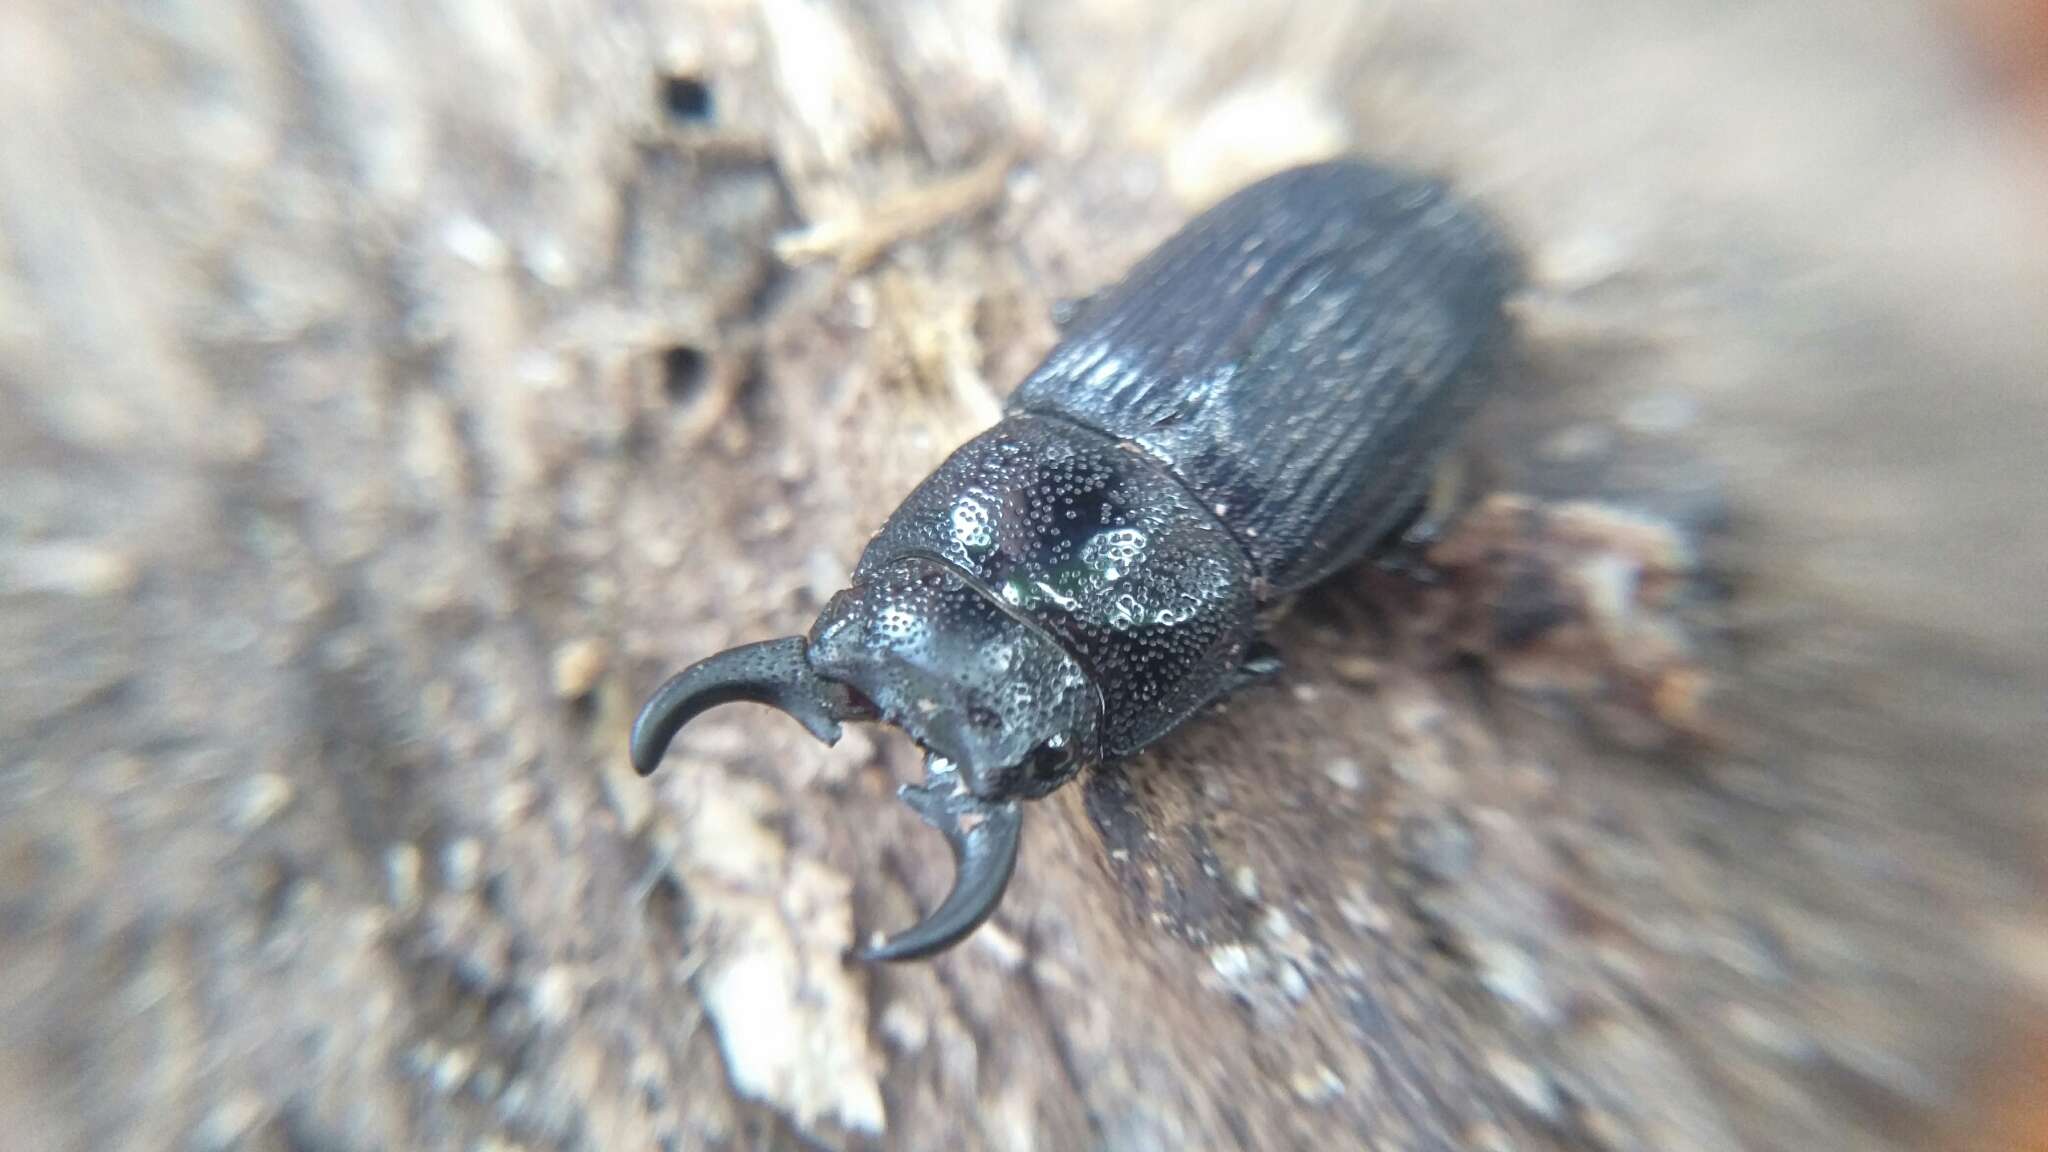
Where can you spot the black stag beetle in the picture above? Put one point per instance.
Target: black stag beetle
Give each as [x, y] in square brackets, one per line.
[1263, 400]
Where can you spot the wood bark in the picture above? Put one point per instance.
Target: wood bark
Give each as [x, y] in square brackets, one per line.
[397, 389]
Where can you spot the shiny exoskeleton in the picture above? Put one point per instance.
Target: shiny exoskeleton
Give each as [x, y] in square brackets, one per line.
[1260, 402]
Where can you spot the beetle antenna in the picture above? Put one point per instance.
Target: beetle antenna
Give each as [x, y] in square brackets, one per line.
[772, 672]
[984, 838]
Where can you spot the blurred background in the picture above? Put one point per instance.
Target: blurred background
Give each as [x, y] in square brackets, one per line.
[395, 390]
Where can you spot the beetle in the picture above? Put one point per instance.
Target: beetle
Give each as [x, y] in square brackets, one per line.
[1259, 403]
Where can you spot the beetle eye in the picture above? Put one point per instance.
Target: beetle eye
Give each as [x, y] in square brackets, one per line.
[982, 716]
[1048, 759]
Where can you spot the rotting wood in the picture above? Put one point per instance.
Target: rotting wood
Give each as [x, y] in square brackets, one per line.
[324, 331]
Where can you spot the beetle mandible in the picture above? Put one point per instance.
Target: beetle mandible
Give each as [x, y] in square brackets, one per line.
[1260, 402]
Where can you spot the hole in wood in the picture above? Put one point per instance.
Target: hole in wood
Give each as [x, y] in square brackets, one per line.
[682, 372]
[686, 98]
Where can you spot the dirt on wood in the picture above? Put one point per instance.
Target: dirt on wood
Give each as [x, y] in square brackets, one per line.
[396, 390]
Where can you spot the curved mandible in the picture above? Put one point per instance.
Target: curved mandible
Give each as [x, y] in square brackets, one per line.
[771, 672]
[984, 838]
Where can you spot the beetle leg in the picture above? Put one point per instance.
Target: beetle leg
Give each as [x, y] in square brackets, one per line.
[772, 672]
[984, 838]
[1262, 665]
[1440, 507]
[1407, 554]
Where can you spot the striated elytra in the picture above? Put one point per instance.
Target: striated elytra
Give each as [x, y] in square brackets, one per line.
[1260, 402]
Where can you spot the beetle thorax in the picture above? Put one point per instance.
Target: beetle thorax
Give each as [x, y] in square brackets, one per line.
[1102, 551]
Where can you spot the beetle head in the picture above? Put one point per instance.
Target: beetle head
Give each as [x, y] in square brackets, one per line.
[968, 681]
[1002, 711]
